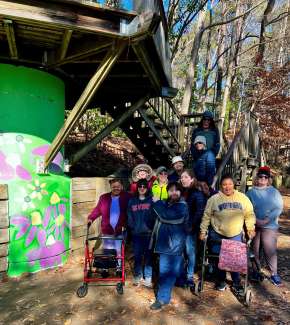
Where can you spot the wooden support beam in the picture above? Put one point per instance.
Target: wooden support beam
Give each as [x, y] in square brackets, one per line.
[155, 131]
[65, 43]
[9, 29]
[147, 66]
[59, 15]
[107, 130]
[88, 93]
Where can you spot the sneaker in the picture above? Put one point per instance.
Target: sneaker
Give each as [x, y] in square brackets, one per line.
[157, 305]
[221, 286]
[148, 283]
[276, 280]
[190, 283]
[238, 288]
[136, 280]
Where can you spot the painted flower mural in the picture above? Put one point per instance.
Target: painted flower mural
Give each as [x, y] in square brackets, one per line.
[39, 205]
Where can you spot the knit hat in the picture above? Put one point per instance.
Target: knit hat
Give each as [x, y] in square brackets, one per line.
[207, 115]
[161, 169]
[176, 159]
[140, 167]
[265, 171]
[201, 139]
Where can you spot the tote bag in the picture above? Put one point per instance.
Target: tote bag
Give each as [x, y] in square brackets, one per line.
[233, 256]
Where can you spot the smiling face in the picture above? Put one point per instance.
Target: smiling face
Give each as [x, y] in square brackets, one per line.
[142, 189]
[227, 186]
[142, 174]
[262, 180]
[116, 188]
[163, 177]
[199, 146]
[186, 180]
[178, 166]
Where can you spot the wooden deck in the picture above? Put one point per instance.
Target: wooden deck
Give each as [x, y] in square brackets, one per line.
[70, 38]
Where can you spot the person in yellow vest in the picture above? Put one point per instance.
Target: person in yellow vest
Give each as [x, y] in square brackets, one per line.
[159, 190]
[225, 216]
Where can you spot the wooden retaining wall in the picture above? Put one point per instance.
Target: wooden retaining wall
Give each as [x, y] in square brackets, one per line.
[85, 194]
[4, 229]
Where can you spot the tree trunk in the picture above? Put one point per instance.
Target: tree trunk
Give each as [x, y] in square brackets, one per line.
[185, 105]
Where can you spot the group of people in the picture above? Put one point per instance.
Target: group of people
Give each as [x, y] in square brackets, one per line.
[169, 212]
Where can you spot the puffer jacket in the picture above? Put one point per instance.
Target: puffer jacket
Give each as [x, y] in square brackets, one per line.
[196, 201]
[171, 227]
[204, 166]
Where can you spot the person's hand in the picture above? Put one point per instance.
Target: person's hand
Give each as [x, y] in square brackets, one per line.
[251, 234]
[155, 199]
[202, 236]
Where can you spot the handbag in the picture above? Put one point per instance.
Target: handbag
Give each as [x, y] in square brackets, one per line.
[233, 256]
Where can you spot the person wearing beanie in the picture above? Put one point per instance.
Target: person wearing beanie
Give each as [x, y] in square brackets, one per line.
[159, 190]
[204, 164]
[206, 128]
[140, 222]
[141, 171]
[268, 206]
[178, 168]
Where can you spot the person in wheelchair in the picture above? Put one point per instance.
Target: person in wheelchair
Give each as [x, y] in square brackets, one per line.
[225, 216]
[112, 207]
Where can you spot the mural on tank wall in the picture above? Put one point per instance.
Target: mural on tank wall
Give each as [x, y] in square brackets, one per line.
[39, 205]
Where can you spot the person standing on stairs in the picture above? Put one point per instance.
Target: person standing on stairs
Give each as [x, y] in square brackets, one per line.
[141, 222]
[196, 201]
[204, 164]
[178, 168]
[141, 171]
[268, 206]
[207, 129]
[112, 207]
[159, 190]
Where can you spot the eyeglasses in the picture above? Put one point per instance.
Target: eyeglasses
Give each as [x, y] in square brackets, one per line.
[142, 186]
[263, 176]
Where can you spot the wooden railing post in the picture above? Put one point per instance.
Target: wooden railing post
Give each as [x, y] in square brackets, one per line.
[4, 230]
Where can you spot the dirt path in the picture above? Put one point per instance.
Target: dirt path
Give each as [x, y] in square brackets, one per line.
[49, 298]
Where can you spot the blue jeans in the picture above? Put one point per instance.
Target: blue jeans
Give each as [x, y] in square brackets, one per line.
[169, 270]
[216, 247]
[191, 254]
[141, 251]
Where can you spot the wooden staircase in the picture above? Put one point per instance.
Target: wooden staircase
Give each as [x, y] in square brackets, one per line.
[154, 130]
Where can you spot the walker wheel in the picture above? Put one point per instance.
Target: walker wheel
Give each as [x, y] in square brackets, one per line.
[119, 288]
[82, 290]
[198, 288]
[248, 298]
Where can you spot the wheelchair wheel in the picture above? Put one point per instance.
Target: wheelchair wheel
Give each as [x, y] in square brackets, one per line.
[248, 297]
[82, 290]
[119, 288]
